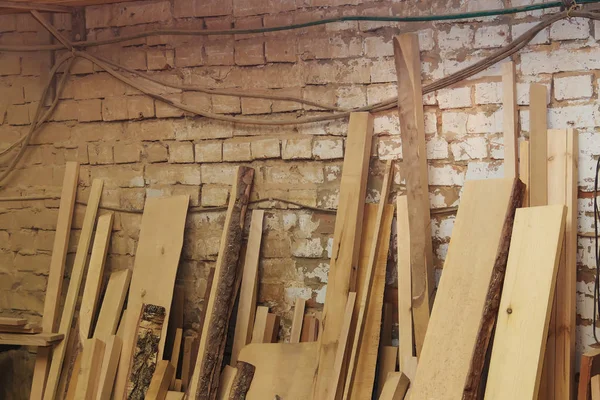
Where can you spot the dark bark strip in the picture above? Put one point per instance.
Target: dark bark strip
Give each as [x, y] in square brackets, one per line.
[241, 382]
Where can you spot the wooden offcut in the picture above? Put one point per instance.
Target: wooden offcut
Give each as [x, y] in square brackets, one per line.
[112, 305]
[145, 355]
[247, 296]
[222, 295]
[395, 387]
[510, 120]
[55, 275]
[337, 381]
[186, 362]
[346, 244]
[297, 320]
[260, 324]
[91, 358]
[467, 299]
[309, 329]
[112, 352]
[524, 314]
[27, 328]
[159, 386]
[538, 139]
[79, 264]
[154, 271]
[36, 339]
[414, 160]
[241, 381]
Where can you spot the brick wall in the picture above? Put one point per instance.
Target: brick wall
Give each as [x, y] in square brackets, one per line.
[144, 148]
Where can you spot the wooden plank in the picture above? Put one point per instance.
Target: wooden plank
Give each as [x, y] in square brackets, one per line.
[108, 371]
[562, 189]
[524, 169]
[55, 276]
[260, 324]
[93, 281]
[412, 129]
[72, 382]
[226, 380]
[175, 321]
[223, 292]
[23, 5]
[538, 192]
[346, 244]
[112, 305]
[297, 320]
[154, 271]
[406, 352]
[449, 364]
[174, 395]
[7, 321]
[521, 331]
[79, 264]
[247, 296]
[510, 120]
[175, 355]
[368, 282]
[337, 382]
[241, 382]
[186, 363]
[37, 339]
[395, 387]
[595, 383]
[121, 328]
[388, 358]
[364, 378]
[159, 386]
[307, 335]
[271, 332]
[387, 323]
[145, 355]
[177, 386]
[87, 382]
[28, 328]
[590, 365]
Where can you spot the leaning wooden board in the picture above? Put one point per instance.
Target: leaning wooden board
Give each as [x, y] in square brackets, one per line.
[521, 331]
[282, 369]
[154, 271]
[477, 253]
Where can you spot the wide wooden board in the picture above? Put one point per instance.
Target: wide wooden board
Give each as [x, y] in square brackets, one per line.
[89, 374]
[521, 330]
[476, 254]
[282, 369]
[154, 270]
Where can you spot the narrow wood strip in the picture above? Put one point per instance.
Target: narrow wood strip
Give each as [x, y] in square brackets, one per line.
[186, 364]
[297, 320]
[222, 295]
[524, 169]
[177, 386]
[79, 264]
[7, 321]
[306, 334]
[346, 244]
[510, 120]
[175, 355]
[337, 381]
[538, 141]
[35, 339]
[241, 381]
[272, 328]
[110, 361]
[521, 331]
[395, 387]
[159, 386]
[590, 364]
[412, 129]
[112, 305]
[175, 321]
[388, 357]
[29, 328]
[247, 297]
[595, 384]
[260, 324]
[87, 383]
[55, 276]
[225, 382]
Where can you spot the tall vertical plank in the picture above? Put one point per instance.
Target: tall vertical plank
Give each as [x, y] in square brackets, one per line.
[79, 264]
[524, 169]
[510, 120]
[55, 276]
[154, 271]
[222, 295]
[112, 352]
[112, 305]
[175, 354]
[247, 296]
[346, 244]
[159, 385]
[297, 320]
[260, 324]
[87, 383]
[272, 328]
[388, 355]
[538, 191]
[414, 152]
[521, 331]
[186, 363]
[451, 362]
[336, 380]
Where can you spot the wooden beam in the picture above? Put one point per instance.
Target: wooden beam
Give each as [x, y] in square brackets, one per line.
[242, 380]
[162, 378]
[110, 361]
[337, 382]
[452, 359]
[538, 192]
[37, 339]
[521, 331]
[87, 383]
[55, 276]
[524, 169]
[510, 120]
[81, 256]
[395, 387]
[175, 355]
[368, 281]
[154, 271]
[222, 294]
[145, 356]
[406, 352]
[412, 129]
[26, 6]
[247, 296]
[297, 320]
[346, 244]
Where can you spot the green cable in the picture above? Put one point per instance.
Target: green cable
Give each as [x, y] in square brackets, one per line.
[475, 14]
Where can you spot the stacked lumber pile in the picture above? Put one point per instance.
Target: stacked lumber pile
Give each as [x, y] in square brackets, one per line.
[500, 326]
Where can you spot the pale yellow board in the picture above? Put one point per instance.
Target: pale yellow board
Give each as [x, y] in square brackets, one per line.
[112, 305]
[283, 369]
[159, 386]
[79, 264]
[247, 296]
[260, 324]
[524, 169]
[447, 353]
[335, 383]
[89, 373]
[388, 357]
[175, 355]
[226, 380]
[297, 320]
[522, 326]
[26, 339]
[110, 361]
[510, 120]
[395, 387]
[154, 271]
[538, 169]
